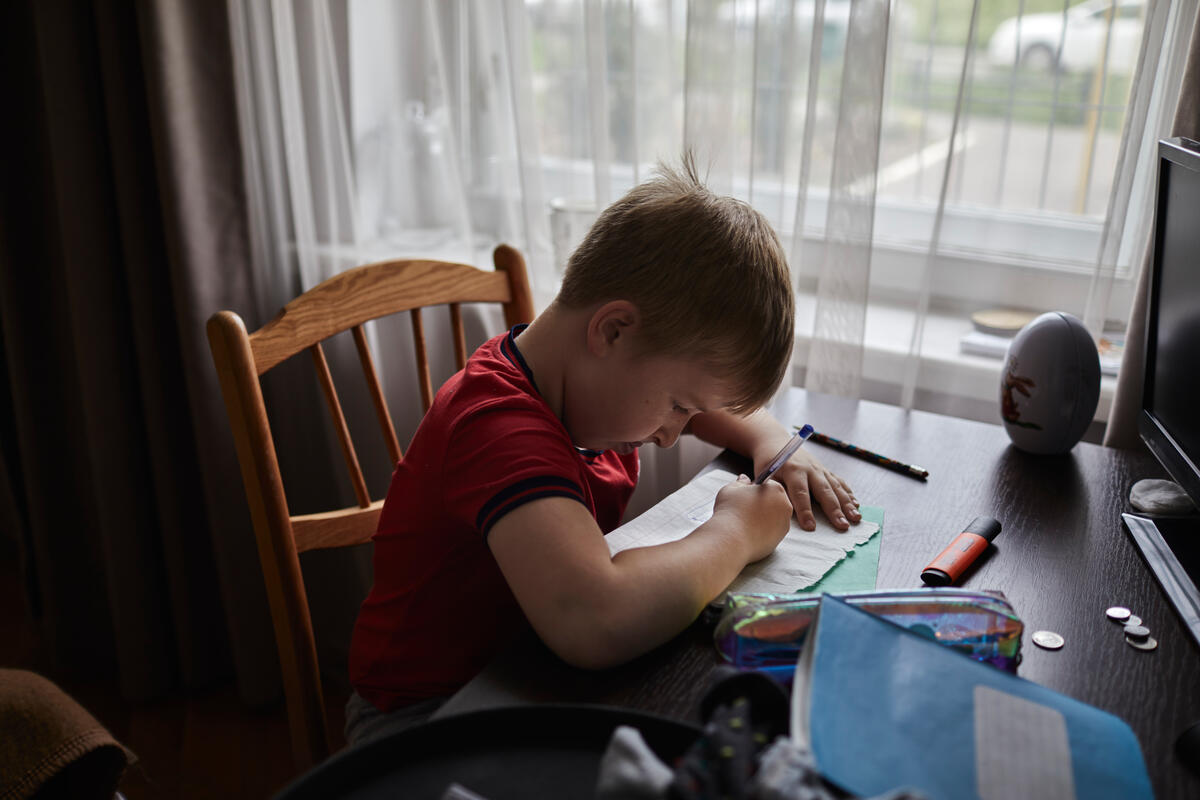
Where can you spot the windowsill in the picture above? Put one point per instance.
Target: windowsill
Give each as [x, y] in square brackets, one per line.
[948, 381]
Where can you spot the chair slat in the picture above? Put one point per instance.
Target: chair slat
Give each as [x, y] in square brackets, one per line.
[346, 526]
[365, 293]
[460, 339]
[339, 423]
[381, 409]
[422, 359]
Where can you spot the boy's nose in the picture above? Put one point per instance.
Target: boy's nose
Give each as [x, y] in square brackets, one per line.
[667, 435]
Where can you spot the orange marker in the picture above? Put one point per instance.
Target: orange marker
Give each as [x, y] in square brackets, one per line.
[950, 564]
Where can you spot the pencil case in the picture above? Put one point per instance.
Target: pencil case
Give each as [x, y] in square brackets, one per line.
[766, 631]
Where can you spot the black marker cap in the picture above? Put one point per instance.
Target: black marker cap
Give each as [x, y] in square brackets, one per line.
[984, 526]
[935, 577]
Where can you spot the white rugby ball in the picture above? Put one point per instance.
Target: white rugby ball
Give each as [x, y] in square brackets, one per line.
[1050, 384]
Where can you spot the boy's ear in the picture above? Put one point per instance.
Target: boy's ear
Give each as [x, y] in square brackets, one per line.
[611, 326]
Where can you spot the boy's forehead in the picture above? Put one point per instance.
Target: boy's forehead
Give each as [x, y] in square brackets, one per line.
[699, 385]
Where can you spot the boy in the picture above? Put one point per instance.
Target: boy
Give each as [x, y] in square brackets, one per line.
[675, 314]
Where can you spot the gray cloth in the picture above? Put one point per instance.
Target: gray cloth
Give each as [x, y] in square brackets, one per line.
[629, 769]
[1154, 496]
[366, 723]
[787, 771]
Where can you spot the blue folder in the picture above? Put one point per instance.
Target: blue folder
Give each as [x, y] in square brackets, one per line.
[882, 707]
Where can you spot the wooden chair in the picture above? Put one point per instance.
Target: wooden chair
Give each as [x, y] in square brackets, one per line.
[344, 302]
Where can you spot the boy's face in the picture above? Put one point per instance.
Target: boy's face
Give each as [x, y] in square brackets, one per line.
[630, 401]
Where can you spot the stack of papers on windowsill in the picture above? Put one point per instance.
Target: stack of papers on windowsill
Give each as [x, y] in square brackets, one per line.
[979, 343]
[1112, 350]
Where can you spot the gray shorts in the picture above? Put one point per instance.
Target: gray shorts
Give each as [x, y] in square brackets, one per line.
[366, 723]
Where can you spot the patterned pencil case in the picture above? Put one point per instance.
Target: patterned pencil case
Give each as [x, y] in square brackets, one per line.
[766, 631]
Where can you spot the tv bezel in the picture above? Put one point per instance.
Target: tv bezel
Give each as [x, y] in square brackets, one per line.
[1183, 153]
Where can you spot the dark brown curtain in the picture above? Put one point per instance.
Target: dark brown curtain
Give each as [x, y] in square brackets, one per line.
[1127, 402]
[124, 227]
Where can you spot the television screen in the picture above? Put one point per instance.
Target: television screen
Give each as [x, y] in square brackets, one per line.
[1169, 423]
[1171, 426]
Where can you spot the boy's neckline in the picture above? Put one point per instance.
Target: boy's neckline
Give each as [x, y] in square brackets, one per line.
[519, 359]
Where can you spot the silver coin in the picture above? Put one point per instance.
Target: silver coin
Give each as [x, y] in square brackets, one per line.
[1149, 643]
[1139, 632]
[1048, 640]
[1133, 620]
[1117, 613]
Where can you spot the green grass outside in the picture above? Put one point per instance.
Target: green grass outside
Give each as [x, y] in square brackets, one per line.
[1033, 96]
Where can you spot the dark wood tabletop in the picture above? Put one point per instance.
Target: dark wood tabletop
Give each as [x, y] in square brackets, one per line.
[1062, 558]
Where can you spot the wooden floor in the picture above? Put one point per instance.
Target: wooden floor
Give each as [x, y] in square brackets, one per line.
[204, 745]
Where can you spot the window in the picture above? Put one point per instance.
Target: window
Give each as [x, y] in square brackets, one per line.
[1033, 160]
[1000, 161]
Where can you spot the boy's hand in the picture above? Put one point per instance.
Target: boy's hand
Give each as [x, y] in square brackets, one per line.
[806, 479]
[763, 514]
[759, 436]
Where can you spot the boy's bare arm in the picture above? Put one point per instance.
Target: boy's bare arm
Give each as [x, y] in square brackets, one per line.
[759, 437]
[595, 610]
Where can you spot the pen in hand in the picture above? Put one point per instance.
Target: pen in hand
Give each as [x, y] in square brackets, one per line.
[783, 455]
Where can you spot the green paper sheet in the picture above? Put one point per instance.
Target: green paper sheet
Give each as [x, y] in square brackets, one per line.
[857, 571]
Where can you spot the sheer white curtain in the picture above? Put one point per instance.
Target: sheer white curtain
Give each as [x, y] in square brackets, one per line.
[375, 130]
[378, 129]
[919, 159]
[922, 159]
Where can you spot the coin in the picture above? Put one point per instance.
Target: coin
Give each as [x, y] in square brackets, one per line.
[1048, 640]
[1118, 613]
[1138, 632]
[1133, 620]
[1149, 643]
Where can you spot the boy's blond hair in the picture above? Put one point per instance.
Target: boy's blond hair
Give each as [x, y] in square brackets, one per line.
[706, 272]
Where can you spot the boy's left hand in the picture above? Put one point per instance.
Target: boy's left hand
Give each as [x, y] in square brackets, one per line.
[760, 436]
[806, 479]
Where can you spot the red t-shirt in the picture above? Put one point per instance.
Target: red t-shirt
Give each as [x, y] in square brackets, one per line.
[440, 608]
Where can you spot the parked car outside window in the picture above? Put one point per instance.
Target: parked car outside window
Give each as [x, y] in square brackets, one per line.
[1083, 46]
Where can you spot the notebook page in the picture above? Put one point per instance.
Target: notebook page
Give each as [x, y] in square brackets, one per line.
[799, 561]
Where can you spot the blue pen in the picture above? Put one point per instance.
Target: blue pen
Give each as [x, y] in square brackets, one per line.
[783, 455]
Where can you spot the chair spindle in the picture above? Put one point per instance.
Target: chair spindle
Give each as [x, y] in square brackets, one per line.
[460, 339]
[381, 409]
[339, 423]
[422, 359]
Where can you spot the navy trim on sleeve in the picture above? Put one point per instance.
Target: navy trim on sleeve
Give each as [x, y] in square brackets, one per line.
[517, 502]
[521, 492]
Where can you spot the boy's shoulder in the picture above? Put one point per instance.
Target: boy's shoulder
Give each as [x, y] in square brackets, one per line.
[496, 380]
[489, 414]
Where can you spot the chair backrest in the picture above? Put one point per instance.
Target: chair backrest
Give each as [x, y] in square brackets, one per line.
[344, 302]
